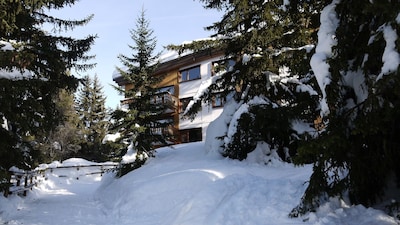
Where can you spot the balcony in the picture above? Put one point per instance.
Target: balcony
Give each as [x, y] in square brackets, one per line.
[165, 99]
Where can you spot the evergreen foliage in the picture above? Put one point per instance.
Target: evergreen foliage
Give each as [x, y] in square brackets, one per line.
[270, 44]
[93, 119]
[27, 104]
[138, 120]
[64, 140]
[357, 152]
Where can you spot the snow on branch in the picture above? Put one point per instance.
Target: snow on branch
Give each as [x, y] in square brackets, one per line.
[6, 46]
[13, 73]
[201, 91]
[390, 57]
[308, 49]
[323, 51]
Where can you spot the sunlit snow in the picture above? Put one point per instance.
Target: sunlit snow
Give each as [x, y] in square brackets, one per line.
[181, 185]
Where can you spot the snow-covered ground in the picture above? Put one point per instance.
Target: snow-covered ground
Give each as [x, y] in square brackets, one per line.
[181, 185]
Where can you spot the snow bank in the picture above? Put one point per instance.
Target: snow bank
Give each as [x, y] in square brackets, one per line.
[337, 212]
[186, 186]
[182, 185]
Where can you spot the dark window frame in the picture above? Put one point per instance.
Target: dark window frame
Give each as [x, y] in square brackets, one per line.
[185, 75]
[221, 101]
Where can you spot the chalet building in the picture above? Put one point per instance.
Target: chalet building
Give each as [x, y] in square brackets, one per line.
[183, 76]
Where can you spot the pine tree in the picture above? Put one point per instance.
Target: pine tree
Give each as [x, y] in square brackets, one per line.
[136, 123]
[65, 140]
[357, 152]
[33, 69]
[264, 39]
[93, 114]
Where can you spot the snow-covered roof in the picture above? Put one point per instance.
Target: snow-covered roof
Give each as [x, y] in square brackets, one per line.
[169, 55]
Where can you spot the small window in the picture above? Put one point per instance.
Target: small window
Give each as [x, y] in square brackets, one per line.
[218, 101]
[183, 103]
[190, 74]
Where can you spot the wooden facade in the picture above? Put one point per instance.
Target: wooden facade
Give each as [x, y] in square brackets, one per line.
[170, 71]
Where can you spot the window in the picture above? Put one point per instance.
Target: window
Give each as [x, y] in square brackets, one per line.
[222, 65]
[191, 135]
[189, 74]
[218, 101]
[183, 103]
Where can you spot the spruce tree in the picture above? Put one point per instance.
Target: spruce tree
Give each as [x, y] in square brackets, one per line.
[33, 69]
[357, 152]
[93, 115]
[140, 113]
[65, 140]
[271, 82]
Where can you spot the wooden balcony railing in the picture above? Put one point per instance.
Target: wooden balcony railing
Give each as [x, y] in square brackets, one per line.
[163, 99]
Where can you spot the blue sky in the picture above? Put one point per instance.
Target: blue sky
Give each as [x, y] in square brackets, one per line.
[173, 22]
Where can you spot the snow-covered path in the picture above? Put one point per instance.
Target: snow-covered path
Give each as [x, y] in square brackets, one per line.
[62, 206]
[61, 199]
[181, 186]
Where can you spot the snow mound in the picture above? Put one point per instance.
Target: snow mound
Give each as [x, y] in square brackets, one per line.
[181, 185]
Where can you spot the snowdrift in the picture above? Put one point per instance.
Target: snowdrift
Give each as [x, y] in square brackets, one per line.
[182, 185]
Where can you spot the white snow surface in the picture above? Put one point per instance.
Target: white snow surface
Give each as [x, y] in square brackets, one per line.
[181, 185]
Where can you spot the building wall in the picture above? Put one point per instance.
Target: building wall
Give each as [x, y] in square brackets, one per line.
[171, 70]
[171, 79]
[189, 89]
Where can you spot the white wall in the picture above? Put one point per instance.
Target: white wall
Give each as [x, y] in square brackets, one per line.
[189, 89]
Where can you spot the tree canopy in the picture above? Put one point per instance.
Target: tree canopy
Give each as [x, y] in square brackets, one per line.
[138, 120]
[93, 116]
[271, 80]
[334, 67]
[357, 66]
[34, 67]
